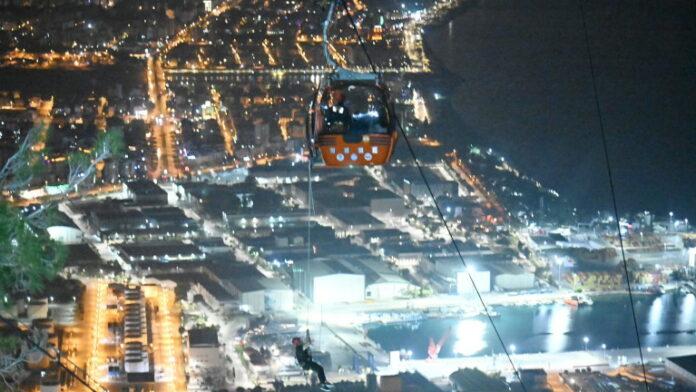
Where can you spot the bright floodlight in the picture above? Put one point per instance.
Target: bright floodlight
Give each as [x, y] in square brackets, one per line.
[586, 339]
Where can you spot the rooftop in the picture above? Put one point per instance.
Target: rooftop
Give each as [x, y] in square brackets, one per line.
[203, 337]
[81, 254]
[356, 218]
[473, 380]
[165, 249]
[234, 270]
[185, 279]
[145, 188]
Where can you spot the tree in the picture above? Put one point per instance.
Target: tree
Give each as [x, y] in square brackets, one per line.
[28, 257]
[21, 168]
[633, 269]
[15, 354]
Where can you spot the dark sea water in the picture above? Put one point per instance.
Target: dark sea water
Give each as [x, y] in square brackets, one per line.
[665, 320]
[518, 80]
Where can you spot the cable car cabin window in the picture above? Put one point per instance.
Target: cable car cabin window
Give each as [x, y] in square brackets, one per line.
[353, 109]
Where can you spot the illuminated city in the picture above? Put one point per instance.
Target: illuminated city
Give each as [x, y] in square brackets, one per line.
[347, 195]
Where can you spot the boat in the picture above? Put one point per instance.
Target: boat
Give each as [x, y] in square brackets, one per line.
[492, 313]
[656, 289]
[578, 300]
[686, 289]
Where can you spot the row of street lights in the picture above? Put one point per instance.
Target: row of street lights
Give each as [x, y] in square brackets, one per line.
[586, 340]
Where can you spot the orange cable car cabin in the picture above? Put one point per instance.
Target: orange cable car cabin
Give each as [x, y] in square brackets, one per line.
[351, 123]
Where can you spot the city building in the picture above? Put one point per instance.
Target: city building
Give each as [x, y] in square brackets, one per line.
[385, 202]
[474, 380]
[406, 381]
[512, 277]
[215, 295]
[124, 221]
[331, 284]
[348, 279]
[482, 280]
[283, 173]
[146, 192]
[136, 324]
[403, 254]
[349, 222]
[409, 180]
[164, 252]
[373, 238]
[535, 379]
[64, 230]
[203, 349]
[83, 259]
[262, 295]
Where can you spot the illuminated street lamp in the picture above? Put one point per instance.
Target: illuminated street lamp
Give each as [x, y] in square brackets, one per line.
[513, 348]
[586, 340]
[671, 218]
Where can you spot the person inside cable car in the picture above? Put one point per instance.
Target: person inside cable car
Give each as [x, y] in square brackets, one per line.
[369, 114]
[336, 114]
[353, 109]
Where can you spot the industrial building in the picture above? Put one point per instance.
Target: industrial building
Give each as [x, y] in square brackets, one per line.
[64, 230]
[146, 192]
[123, 221]
[226, 284]
[348, 279]
[409, 180]
[262, 295]
[349, 222]
[205, 358]
[159, 251]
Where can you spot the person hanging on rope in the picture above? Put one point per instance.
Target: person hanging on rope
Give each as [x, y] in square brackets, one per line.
[304, 358]
[338, 116]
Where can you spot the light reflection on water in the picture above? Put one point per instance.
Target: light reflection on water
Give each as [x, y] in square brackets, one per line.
[559, 325]
[665, 320]
[686, 312]
[470, 337]
[655, 321]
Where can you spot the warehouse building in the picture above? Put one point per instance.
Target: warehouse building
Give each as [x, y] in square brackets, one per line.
[348, 279]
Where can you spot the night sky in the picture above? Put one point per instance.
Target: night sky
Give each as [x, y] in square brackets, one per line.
[525, 89]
